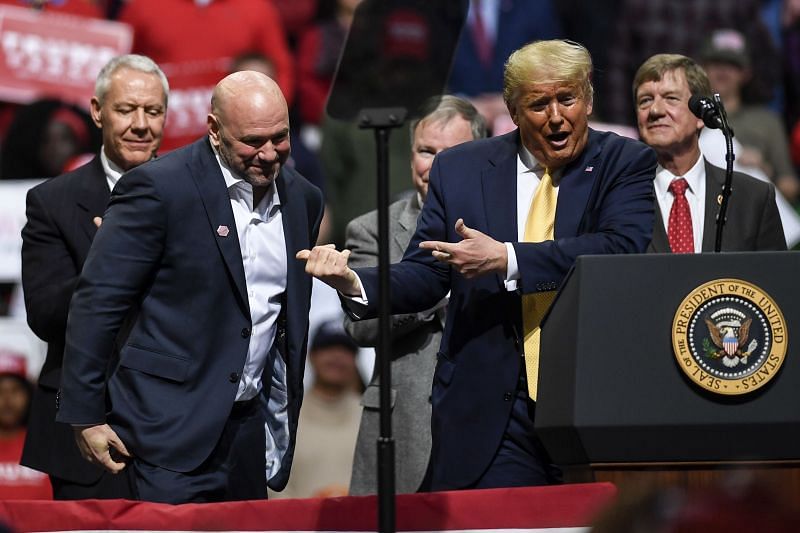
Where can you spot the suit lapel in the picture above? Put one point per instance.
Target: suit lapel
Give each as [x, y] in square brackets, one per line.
[295, 228]
[714, 183]
[406, 222]
[574, 189]
[93, 197]
[499, 184]
[216, 201]
[660, 242]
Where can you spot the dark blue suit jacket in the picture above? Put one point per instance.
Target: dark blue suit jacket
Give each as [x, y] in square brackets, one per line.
[159, 266]
[605, 205]
[55, 243]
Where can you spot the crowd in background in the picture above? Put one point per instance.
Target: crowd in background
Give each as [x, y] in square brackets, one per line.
[752, 63]
[750, 49]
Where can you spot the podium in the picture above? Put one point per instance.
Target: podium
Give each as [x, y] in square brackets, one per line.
[616, 404]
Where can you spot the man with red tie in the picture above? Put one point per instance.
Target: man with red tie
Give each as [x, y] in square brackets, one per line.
[688, 189]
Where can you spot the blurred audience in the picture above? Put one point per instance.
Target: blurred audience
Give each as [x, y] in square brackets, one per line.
[726, 60]
[16, 482]
[741, 503]
[43, 139]
[84, 8]
[329, 418]
[194, 43]
[494, 29]
[317, 57]
[647, 27]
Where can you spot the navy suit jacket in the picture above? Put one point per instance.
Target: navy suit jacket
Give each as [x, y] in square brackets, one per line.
[159, 265]
[55, 243]
[605, 205]
[753, 222]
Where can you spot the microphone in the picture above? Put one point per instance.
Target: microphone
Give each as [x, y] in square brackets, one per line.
[707, 110]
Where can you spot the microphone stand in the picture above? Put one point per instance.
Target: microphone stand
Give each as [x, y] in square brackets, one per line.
[729, 157]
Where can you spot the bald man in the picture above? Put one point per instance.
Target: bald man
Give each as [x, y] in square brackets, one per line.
[195, 260]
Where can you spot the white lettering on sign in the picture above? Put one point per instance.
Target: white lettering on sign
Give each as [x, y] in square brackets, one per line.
[34, 56]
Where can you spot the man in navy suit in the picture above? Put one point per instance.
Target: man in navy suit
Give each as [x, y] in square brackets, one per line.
[129, 106]
[470, 240]
[195, 261]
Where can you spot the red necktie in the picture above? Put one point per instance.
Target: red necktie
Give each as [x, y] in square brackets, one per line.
[680, 234]
[483, 45]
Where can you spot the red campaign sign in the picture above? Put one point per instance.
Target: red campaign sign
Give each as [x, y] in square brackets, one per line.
[190, 86]
[55, 54]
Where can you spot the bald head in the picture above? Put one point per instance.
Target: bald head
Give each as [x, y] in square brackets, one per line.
[246, 87]
[249, 127]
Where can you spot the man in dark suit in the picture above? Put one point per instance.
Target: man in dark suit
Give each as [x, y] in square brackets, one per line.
[688, 188]
[129, 106]
[445, 122]
[502, 224]
[196, 255]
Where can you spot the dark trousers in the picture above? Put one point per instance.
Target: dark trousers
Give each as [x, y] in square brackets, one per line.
[108, 487]
[521, 460]
[235, 470]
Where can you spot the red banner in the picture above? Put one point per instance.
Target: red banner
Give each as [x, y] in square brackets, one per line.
[562, 508]
[54, 54]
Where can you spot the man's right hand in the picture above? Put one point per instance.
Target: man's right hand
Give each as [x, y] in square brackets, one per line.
[95, 444]
[330, 266]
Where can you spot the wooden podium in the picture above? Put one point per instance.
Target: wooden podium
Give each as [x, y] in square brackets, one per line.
[616, 404]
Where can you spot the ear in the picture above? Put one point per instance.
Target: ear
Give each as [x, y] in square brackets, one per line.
[96, 112]
[213, 129]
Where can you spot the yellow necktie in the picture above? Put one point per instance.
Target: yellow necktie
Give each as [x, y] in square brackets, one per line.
[538, 228]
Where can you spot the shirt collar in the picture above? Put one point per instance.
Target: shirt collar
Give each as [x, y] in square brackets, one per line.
[693, 176]
[112, 171]
[526, 162]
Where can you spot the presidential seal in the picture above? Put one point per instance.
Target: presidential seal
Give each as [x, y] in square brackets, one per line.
[729, 336]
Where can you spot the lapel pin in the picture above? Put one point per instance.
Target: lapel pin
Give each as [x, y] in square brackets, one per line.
[719, 199]
[589, 169]
[223, 231]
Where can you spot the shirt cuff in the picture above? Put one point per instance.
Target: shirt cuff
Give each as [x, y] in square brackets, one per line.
[512, 271]
[357, 305]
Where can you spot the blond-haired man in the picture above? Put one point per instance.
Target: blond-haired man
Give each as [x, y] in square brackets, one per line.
[484, 235]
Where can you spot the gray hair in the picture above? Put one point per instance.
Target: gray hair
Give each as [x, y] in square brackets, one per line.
[444, 109]
[133, 62]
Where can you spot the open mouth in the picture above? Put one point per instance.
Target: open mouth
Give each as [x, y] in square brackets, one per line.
[558, 139]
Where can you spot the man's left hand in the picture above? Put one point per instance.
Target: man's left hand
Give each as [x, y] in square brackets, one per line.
[476, 255]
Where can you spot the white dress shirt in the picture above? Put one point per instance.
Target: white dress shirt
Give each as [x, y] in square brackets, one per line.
[263, 247]
[695, 196]
[112, 171]
[529, 175]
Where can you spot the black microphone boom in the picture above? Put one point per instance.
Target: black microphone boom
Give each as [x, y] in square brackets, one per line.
[707, 110]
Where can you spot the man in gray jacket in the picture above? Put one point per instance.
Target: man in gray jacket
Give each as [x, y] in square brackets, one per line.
[445, 122]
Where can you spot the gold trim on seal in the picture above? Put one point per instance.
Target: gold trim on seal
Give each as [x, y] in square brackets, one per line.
[772, 320]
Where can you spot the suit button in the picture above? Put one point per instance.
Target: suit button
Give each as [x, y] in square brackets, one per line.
[507, 396]
[245, 332]
[234, 377]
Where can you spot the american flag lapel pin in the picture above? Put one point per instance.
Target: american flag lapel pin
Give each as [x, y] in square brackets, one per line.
[589, 169]
[223, 231]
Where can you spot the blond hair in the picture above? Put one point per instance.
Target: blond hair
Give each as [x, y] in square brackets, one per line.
[554, 61]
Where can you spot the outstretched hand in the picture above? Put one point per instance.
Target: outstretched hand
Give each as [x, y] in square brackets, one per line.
[476, 255]
[330, 266]
[96, 444]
